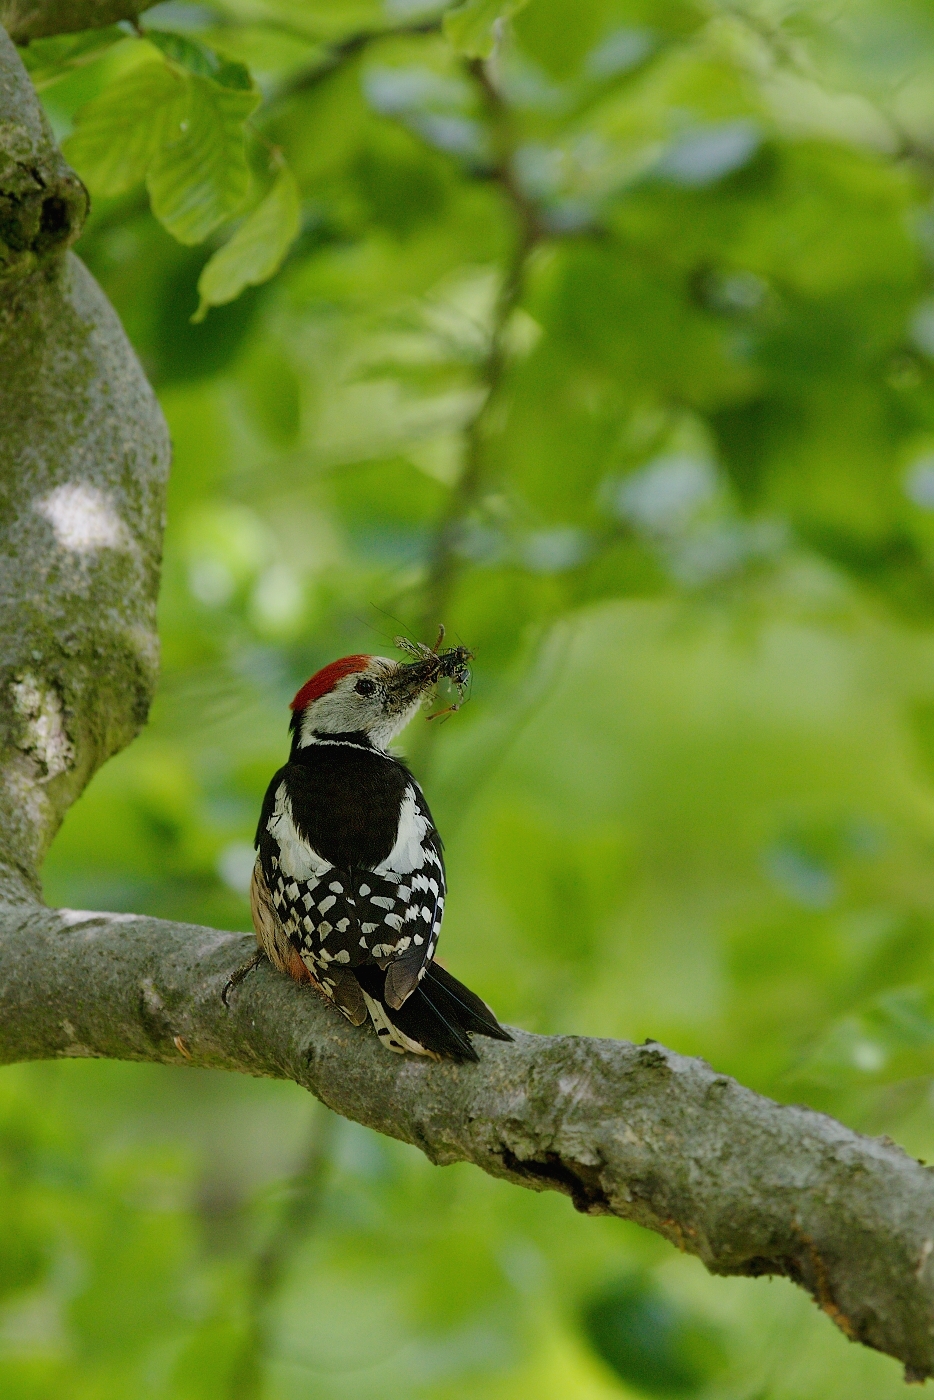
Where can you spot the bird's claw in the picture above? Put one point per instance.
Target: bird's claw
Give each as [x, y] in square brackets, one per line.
[237, 977]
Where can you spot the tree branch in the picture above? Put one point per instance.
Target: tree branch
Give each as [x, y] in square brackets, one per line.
[339, 53]
[39, 19]
[748, 1185]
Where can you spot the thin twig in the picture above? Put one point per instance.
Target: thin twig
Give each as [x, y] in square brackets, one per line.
[443, 565]
[342, 53]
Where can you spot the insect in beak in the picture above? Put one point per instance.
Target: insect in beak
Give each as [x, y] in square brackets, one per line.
[437, 663]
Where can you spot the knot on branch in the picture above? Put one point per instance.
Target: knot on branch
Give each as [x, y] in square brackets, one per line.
[579, 1180]
[43, 206]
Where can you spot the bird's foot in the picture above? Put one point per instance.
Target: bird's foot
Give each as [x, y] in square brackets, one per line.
[237, 977]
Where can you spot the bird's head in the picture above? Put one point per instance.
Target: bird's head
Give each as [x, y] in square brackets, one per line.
[366, 698]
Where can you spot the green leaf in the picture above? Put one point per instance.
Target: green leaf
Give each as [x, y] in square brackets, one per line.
[47, 60]
[200, 60]
[181, 130]
[471, 27]
[199, 175]
[117, 134]
[257, 248]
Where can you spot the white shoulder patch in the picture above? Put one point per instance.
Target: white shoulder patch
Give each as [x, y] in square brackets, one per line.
[409, 851]
[296, 857]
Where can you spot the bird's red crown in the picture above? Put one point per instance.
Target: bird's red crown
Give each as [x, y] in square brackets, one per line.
[326, 679]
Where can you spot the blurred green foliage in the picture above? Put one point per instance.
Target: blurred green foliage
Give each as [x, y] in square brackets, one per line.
[649, 1341]
[616, 356]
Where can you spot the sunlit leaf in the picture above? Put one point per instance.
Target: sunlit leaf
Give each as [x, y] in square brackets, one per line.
[117, 134]
[199, 175]
[257, 248]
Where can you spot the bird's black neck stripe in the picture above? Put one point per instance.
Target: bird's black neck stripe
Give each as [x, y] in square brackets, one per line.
[353, 739]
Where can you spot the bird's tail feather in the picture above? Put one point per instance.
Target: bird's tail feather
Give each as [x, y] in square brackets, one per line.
[472, 1013]
[437, 1016]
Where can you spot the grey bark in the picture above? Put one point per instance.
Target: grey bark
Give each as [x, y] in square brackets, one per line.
[83, 464]
[748, 1185]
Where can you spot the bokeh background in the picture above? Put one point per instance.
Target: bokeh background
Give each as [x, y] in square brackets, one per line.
[616, 355]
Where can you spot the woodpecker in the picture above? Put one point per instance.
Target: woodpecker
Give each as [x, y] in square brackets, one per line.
[349, 885]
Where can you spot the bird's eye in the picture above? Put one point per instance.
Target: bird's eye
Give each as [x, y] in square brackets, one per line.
[365, 687]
